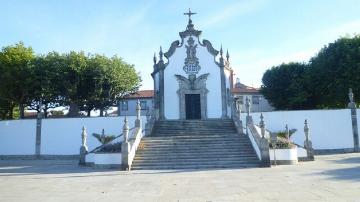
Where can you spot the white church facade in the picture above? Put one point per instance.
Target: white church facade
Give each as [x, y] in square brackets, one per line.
[192, 80]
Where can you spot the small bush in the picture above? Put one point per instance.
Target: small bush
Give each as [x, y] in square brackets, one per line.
[282, 134]
[282, 143]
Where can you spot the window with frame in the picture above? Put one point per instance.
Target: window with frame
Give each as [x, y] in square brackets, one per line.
[124, 105]
[143, 104]
[255, 99]
[241, 100]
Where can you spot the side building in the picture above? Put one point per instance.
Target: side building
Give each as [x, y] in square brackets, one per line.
[258, 103]
[127, 106]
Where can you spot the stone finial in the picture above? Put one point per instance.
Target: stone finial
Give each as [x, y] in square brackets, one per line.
[138, 114]
[126, 129]
[221, 51]
[161, 54]
[83, 136]
[247, 106]
[227, 55]
[154, 58]
[351, 96]
[262, 125]
[138, 109]
[306, 130]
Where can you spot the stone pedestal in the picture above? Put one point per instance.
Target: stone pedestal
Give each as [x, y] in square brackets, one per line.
[83, 152]
[309, 150]
[265, 153]
[125, 150]
[354, 126]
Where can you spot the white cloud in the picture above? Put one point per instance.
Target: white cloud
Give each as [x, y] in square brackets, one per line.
[233, 10]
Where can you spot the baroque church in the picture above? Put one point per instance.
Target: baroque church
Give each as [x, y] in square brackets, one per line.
[192, 80]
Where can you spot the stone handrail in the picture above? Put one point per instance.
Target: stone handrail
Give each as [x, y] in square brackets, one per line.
[131, 143]
[259, 141]
[134, 143]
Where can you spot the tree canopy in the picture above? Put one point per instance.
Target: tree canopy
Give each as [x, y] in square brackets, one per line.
[74, 79]
[323, 82]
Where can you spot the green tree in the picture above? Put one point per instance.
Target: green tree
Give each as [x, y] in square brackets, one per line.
[334, 70]
[71, 67]
[105, 80]
[286, 87]
[47, 79]
[15, 77]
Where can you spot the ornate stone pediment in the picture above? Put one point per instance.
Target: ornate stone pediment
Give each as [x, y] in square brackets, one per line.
[192, 83]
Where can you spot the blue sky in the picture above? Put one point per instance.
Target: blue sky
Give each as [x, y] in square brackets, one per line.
[258, 33]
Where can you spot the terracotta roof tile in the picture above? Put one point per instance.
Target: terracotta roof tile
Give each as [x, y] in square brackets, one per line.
[141, 94]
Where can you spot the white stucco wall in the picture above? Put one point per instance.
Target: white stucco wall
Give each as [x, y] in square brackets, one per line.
[284, 154]
[213, 83]
[329, 129]
[59, 136]
[17, 137]
[63, 136]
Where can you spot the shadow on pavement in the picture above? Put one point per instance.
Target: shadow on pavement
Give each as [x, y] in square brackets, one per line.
[347, 168]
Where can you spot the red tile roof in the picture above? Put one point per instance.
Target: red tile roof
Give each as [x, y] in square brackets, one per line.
[141, 94]
[245, 90]
[241, 88]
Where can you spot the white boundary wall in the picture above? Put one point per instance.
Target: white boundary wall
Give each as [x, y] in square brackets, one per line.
[329, 129]
[58, 136]
[17, 137]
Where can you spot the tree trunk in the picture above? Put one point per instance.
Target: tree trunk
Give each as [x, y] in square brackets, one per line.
[89, 112]
[22, 111]
[74, 110]
[101, 112]
[46, 111]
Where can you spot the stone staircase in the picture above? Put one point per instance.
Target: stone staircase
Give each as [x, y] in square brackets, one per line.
[195, 144]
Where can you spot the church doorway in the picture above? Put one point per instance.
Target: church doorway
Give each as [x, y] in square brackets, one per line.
[193, 106]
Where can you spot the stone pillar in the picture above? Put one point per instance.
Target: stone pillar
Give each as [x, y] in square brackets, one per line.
[247, 106]
[138, 112]
[38, 135]
[125, 147]
[264, 145]
[83, 148]
[308, 143]
[352, 107]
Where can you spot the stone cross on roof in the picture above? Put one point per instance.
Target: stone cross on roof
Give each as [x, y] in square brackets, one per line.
[189, 14]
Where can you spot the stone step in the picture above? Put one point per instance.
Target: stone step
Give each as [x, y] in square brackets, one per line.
[195, 152]
[195, 144]
[193, 167]
[230, 136]
[194, 158]
[196, 148]
[211, 165]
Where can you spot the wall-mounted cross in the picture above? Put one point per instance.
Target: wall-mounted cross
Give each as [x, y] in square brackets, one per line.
[189, 13]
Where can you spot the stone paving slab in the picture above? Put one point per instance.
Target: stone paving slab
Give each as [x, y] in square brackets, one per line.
[329, 178]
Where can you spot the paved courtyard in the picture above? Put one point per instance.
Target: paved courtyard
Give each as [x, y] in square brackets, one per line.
[329, 178]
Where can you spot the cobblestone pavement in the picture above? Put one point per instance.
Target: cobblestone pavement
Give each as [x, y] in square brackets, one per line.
[329, 178]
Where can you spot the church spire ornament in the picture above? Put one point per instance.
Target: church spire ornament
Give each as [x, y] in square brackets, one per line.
[190, 25]
[161, 54]
[154, 58]
[227, 55]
